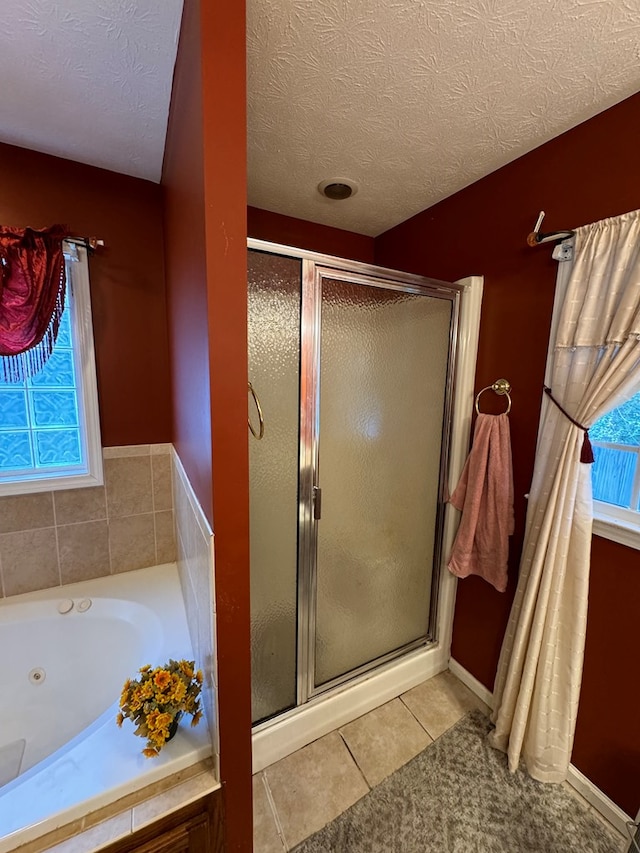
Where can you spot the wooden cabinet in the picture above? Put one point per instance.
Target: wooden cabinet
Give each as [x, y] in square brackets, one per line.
[196, 828]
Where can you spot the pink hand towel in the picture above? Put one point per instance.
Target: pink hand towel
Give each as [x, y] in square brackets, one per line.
[485, 497]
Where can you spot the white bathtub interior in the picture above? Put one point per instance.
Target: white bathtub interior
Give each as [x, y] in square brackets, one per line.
[66, 671]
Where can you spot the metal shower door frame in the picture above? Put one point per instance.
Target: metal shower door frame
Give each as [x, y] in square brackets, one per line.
[315, 267]
[312, 278]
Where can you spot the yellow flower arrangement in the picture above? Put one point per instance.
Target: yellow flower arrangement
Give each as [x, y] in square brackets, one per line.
[158, 698]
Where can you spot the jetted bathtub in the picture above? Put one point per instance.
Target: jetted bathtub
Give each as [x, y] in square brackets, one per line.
[66, 653]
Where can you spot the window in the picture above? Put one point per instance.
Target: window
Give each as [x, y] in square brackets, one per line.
[49, 426]
[616, 473]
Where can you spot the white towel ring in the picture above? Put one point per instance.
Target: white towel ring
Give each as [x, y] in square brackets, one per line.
[501, 387]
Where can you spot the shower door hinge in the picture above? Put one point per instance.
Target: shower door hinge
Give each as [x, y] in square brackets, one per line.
[317, 503]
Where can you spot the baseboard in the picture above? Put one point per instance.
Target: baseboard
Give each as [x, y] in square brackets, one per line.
[471, 682]
[592, 794]
[596, 798]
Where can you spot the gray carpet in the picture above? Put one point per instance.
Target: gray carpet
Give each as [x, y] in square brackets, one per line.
[458, 796]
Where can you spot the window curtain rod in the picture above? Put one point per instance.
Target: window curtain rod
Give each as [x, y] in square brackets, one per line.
[536, 236]
[90, 243]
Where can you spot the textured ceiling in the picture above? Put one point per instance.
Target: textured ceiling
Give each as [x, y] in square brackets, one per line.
[415, 99]
[411, 99]
[89, 80]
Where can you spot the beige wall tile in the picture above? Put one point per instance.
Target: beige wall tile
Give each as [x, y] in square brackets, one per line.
[185, 500]
[265, 831]
[174, 798]
[165, 538]
[210, 703]
[161, 449]
[384, 740]
[313, 786]
[190, 603]
[128, 482]
[201, 568]
[84, 551]
[73, 505]
[181, 505]
[29, 560]
[117, 808]
[26, 512]
[203, 524]
[186, 528]
[132, 542]
[124, 450]
[206, 644]
[200, 571]
[192, 538]
[440, 702]
[99, 835]
[142, 794]
[133, 483]
[178, 488]
[161, 475]
[195, 567]
[47, 841]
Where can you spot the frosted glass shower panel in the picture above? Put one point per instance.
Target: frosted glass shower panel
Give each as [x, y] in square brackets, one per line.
[274, 357]
[383, 373]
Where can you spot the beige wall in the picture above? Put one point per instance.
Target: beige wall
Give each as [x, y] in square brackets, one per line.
[50, 539]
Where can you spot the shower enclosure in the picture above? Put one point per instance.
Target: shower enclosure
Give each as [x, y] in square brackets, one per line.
[351, 372]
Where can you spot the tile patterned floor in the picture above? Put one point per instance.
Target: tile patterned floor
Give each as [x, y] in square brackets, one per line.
[292, 799]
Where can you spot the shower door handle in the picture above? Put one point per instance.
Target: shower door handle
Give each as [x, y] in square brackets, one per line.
[260, 433]
[317, 503]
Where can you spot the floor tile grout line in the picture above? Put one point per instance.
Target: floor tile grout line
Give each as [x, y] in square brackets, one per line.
[422, 726]
[274, 810]
[355, 761]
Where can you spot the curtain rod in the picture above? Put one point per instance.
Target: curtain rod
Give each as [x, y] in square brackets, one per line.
[536, 237]
[90, 243]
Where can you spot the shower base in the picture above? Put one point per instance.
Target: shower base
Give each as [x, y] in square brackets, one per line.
[279, 737]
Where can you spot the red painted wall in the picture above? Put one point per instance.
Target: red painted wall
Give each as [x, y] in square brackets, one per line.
[586, 174]
[185, 260]
[127, 279]
[204, 181]
[225, 188]
[289, 231]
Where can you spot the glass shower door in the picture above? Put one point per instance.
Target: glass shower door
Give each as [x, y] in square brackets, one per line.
[384, 366]
[274, 284]
[352, 372]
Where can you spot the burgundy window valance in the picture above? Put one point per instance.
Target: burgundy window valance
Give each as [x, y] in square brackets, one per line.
[32, 290]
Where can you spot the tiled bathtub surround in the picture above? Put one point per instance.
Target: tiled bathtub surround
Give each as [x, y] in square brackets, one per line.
[194, 542]
[53, 538]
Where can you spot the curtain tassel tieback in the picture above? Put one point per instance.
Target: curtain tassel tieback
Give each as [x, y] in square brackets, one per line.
[586, 454]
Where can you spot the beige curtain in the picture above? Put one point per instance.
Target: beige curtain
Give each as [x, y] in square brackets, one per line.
[596, 367]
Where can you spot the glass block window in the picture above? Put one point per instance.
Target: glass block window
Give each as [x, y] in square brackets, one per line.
[49, 432]
[616, 472]
[616, 442]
